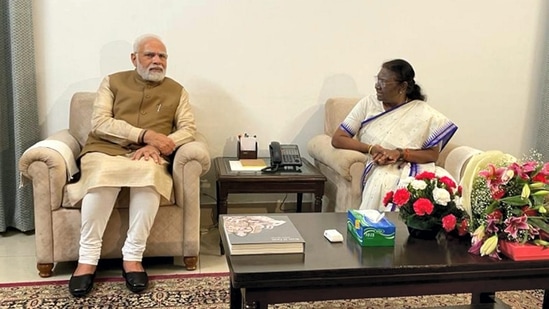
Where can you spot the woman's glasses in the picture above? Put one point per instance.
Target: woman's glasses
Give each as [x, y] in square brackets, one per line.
[383, 82]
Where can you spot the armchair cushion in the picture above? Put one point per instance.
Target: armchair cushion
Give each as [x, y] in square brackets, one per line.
[335, 111]
[79, 127]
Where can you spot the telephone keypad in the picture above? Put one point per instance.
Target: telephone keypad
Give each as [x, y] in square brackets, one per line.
[290, 155]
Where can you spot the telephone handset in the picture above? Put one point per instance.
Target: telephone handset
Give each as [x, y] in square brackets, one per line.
[283, 156]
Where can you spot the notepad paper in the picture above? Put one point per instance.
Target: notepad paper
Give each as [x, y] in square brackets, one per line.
[238, 166]
[253, 162]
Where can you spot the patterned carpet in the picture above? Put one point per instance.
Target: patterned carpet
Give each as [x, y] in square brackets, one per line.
[210, 291]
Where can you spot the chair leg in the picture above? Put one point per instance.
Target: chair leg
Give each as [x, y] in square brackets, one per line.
[45, 269]
[190, 262]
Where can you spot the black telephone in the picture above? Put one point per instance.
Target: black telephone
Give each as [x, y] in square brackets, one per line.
[283, 156]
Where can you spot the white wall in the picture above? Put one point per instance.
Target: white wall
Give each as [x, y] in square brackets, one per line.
[267, 66]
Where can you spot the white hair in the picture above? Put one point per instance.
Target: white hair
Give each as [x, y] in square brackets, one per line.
[145, 72]
[142, 39]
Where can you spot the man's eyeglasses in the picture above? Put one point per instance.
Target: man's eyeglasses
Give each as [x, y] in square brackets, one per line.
[383, 82]
[151, 55]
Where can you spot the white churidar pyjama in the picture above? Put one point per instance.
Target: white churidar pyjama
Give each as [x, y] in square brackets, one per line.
[97, 206]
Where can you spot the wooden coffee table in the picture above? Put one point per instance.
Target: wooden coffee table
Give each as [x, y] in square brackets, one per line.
[330, 271]
[309, 180]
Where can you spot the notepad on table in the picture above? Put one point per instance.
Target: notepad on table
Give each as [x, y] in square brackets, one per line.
[247, 165]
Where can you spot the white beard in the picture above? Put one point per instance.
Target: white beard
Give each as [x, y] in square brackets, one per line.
[152, 76]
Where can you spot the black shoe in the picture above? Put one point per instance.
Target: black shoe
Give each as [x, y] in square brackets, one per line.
[136, 281]
[81, 285]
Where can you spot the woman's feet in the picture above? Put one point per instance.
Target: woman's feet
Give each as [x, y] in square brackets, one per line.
[81, 282]
[135, 275]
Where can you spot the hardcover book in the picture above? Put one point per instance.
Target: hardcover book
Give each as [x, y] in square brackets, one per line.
[261, 234]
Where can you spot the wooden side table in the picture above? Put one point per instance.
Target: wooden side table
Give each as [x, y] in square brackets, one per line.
[309, 180]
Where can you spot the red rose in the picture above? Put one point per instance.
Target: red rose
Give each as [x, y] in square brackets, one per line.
[448, 182]
[388, 198]
[423, 206]
[463, 228]
[401, 196]
[496, 215]
[425, 175]
[449, 222]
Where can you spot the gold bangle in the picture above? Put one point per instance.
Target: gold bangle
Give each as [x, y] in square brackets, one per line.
[370, 149]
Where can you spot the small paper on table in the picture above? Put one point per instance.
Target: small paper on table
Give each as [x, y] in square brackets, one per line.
[248, 165]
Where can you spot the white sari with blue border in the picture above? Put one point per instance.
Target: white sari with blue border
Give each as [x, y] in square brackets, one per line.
[414, 125]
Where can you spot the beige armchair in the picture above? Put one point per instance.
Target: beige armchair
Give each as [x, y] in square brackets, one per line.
[343, 168]
[176, 230]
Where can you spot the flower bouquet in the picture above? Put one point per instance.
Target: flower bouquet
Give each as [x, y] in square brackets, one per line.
[430, 203]
[509, 205]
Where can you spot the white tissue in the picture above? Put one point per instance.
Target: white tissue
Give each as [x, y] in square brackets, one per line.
[372, 215]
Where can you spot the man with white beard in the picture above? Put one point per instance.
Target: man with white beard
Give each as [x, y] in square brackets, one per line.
[139, 119]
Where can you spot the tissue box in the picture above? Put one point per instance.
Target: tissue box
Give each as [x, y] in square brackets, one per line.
[381, 256]
[243, 153]
[368, 233]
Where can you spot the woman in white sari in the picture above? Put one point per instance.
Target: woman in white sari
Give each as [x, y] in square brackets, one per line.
[399, 131]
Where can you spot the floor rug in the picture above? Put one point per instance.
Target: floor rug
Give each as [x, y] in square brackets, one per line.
[201, 291]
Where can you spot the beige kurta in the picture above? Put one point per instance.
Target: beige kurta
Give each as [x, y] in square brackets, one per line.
[102, 170]
[125, 106]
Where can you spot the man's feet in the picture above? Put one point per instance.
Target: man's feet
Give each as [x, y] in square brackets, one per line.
[136, 277]
[81, 282]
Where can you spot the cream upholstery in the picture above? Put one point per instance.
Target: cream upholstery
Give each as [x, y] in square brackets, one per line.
[343, 168]
[176, 231]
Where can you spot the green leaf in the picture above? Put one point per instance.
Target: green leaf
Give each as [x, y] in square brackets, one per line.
[492, 207]
[517, 212]
[538, 200]
[515, 200]
[539, 223]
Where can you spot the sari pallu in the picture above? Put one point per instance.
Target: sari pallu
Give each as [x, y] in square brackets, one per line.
[413, 125]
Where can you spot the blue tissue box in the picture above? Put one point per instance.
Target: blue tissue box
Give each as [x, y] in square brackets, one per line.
[370, 234]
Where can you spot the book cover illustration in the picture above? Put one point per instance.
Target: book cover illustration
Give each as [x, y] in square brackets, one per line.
[262, 234]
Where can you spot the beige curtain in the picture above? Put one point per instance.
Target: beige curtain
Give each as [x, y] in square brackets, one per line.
[18, 111]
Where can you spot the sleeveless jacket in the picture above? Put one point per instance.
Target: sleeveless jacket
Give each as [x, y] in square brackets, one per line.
[142, 104]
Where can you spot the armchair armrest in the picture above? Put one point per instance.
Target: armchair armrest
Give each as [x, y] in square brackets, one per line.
[67, 138]
[340, 160]
[196, 150]
[48, 168]
[191, 161]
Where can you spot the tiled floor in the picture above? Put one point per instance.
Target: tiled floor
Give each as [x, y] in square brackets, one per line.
[18, 262]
